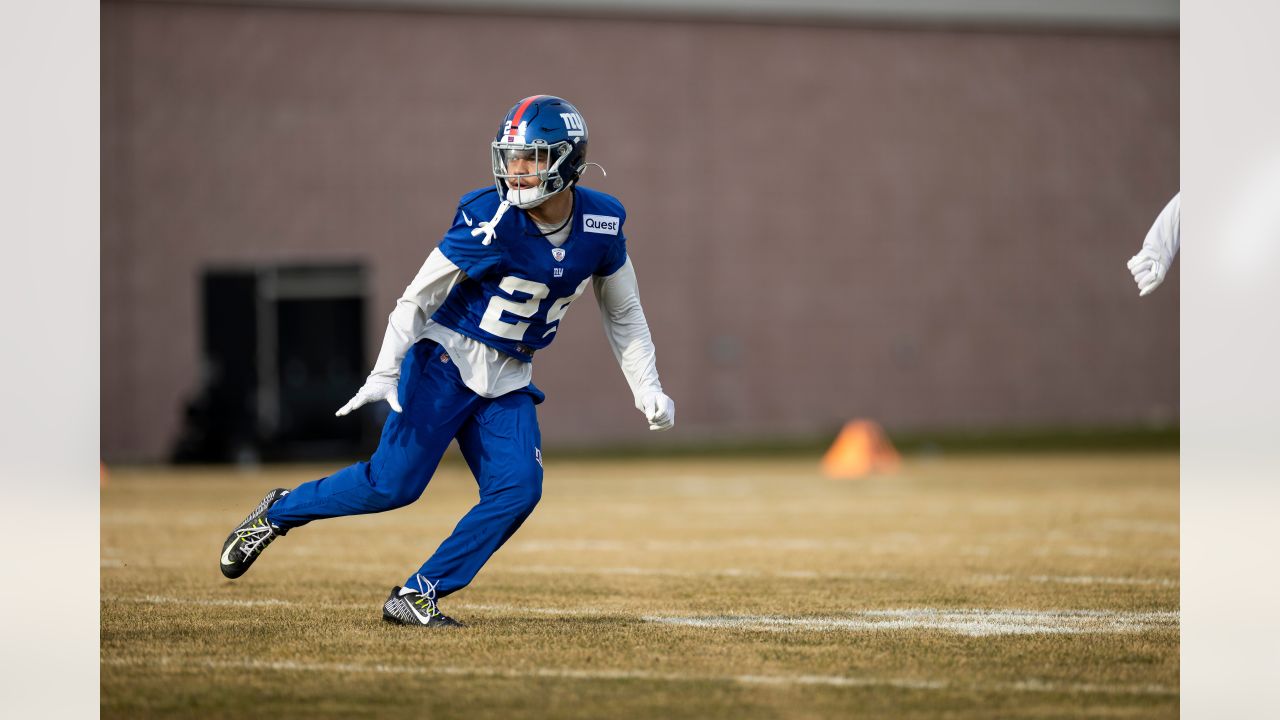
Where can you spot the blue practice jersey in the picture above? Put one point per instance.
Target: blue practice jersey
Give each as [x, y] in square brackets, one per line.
[519, 287]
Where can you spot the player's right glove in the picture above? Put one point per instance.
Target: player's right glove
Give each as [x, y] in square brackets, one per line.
[659, 410]
[374, 389]
[1148, 268]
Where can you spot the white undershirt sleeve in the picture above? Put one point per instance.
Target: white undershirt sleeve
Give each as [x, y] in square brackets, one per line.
[627, 330]
[414, 308]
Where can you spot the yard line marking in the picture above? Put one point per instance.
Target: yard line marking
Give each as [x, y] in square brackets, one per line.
[1095, 580]
[721, 572]
[680, 545]
[1077, 580]
[228, 602]
[164, 600]
[273, 602]
[820, 575]
[1029, 685]
[970, 622]
[569, 612]
[1141, 526]
[892, 543]
[973, 622]
[896, 544]
[839, 681]
[1045, 686]
[1093, 551]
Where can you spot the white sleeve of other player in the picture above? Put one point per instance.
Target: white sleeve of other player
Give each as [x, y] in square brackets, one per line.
[628, 331]
[1163, 237]
[420, 300]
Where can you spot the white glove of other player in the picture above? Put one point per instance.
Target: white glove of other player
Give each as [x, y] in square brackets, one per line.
[1148, 268]
[374, 389]
[659, 410]
[1159, 248]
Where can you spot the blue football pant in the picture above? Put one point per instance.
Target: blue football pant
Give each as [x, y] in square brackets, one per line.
[499, 439]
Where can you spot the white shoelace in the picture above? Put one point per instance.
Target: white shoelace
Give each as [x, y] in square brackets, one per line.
[430, 590]
[490, 229]
[427, 590]
[253, 538]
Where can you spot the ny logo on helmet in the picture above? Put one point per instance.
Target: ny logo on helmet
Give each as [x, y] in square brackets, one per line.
[573, 124]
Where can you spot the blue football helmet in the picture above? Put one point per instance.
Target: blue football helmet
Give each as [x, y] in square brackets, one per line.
[540, 150]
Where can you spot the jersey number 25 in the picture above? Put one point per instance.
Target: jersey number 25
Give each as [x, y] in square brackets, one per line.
[493, 323]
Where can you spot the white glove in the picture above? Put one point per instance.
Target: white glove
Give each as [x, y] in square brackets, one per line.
[659, 410]
[374, 389]
[1148, 268]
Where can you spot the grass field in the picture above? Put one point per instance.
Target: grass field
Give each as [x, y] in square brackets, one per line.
[972, 587]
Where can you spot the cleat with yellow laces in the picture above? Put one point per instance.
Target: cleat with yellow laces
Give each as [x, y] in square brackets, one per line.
[251, 537]
[407, 606]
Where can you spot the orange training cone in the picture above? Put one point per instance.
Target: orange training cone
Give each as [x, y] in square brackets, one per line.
[859, 450]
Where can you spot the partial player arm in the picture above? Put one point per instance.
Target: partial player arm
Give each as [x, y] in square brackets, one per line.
[421, 298]
[628, 333]
[1158, 249]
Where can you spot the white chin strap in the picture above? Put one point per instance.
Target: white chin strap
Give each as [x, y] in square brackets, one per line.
[525, 198]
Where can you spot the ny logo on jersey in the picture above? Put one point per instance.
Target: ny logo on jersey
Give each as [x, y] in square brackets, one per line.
[557, 253]
[573, 123]
[557, 272]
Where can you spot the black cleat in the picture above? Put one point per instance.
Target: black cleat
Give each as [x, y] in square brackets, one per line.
[251, 537]
[416, 608]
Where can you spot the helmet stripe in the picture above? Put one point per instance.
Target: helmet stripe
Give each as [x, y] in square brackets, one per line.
[524, 104]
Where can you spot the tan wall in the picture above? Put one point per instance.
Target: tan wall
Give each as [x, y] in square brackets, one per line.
[927, 227]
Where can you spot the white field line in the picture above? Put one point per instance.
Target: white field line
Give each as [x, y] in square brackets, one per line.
[229, 602]
[589, 612]
[970, 622]
[820, 575]
[1030, 685]
[1093, 551]
[576, 545]
[802, 575]
[272, 602]
[898, 544]
[1141, 526]
[1077, 580]
[718, 572]
[372, 606]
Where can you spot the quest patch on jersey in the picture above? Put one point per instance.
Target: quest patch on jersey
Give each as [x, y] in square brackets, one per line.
[604, 224]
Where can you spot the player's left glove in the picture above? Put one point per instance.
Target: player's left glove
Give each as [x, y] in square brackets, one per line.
[659, 410]
[1148, 268]
[374, 389]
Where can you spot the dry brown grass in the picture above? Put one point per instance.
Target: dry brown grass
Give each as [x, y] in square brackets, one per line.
[561, 621]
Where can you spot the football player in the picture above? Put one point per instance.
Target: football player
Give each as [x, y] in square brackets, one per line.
[1158, 249]
[456, 360]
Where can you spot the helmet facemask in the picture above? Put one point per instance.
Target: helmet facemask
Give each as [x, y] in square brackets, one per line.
[525, 162]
